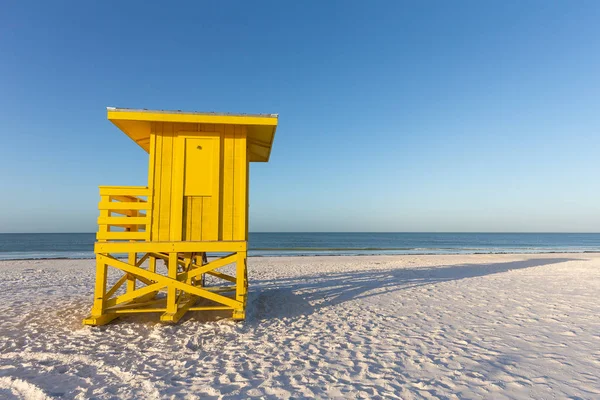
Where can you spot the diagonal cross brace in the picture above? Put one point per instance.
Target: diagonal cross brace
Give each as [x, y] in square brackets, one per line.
[221, 262]
[176, 283]
[135, 294]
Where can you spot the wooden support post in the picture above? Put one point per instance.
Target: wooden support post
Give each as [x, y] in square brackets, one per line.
[98, 317]
[152, 264]
[241, 286]
[171, 310]
[100, 289]
[131, 259]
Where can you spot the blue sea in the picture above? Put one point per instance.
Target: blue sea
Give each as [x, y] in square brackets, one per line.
[80, 245]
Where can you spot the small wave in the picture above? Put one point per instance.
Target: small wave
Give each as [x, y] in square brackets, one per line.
[329, 251]
[39, 255]
[332, 248]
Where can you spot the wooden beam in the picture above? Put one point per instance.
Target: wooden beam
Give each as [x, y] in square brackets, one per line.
[170, 247]
[123, 236]
[124, 190]
[221, 262]
[116, 286]
[96, 320]
[117, 205]
[123, 221]
[135, 115]
[134, 294]
[166, 281]
[127, 199]
[209, 308]
[222, 276]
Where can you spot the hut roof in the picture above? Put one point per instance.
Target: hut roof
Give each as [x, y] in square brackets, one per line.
[137, 125]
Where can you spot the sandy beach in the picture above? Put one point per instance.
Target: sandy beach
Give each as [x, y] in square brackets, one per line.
[467, 326]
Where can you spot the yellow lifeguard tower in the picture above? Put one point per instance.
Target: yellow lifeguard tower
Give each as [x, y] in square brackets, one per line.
[196, 202]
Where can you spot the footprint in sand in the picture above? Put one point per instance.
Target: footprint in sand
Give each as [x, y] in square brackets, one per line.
[67, 372]
[20, 389]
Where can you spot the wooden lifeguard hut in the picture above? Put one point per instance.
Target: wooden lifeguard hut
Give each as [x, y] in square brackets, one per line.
[196, 203]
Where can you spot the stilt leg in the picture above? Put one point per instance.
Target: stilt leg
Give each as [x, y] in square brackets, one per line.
[241, 285]
[98, 317]
[131, 259]
[152, 264]
[169, 315]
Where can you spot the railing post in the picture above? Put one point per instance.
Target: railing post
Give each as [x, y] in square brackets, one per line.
[103, 228]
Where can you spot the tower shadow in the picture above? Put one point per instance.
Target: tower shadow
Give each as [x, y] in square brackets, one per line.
[304, 295]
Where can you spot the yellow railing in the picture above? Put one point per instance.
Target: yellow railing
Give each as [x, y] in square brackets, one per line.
[126, 208]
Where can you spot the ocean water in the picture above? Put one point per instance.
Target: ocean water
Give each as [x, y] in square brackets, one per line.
[80, 245]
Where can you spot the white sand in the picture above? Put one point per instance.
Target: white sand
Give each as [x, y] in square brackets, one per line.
[481, 326]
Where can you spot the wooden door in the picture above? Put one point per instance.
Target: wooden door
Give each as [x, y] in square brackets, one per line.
[201, 174]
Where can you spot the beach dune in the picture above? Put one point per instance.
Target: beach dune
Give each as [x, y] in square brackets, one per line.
[453, 326]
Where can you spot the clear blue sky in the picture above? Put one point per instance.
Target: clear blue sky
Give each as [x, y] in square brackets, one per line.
[394, 116]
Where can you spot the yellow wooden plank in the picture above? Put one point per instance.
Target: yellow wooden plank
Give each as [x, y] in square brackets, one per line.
[116, 205]
[213, 204]
[240, 275]
[207, 127]
[189, 127]
[170, 247]
[247, 192]
[156, 184]
[208, 308]
[116, 286]
[100, 287]
[95, 320]
[197, 218]
[103, 214]
[220, 289]
[124, 190]
[176, 226]
[139, 262]
[166, 168]
[137, 310]
[123, 235]
[187, 211]
[221, 275]
[172, 290]
[166, 281]
[152, 264]
[123, 221]
[143, 302]
[217, 200]
[151, 157]
[131, 281]
[209, 218]
[129, 213]
[135, 294]
[227, 182]
[124, 198]
[151, 172]
[240, 181]
[221, 262]
[165, 116]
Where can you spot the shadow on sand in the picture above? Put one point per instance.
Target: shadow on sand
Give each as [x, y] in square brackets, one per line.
[288, 298]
